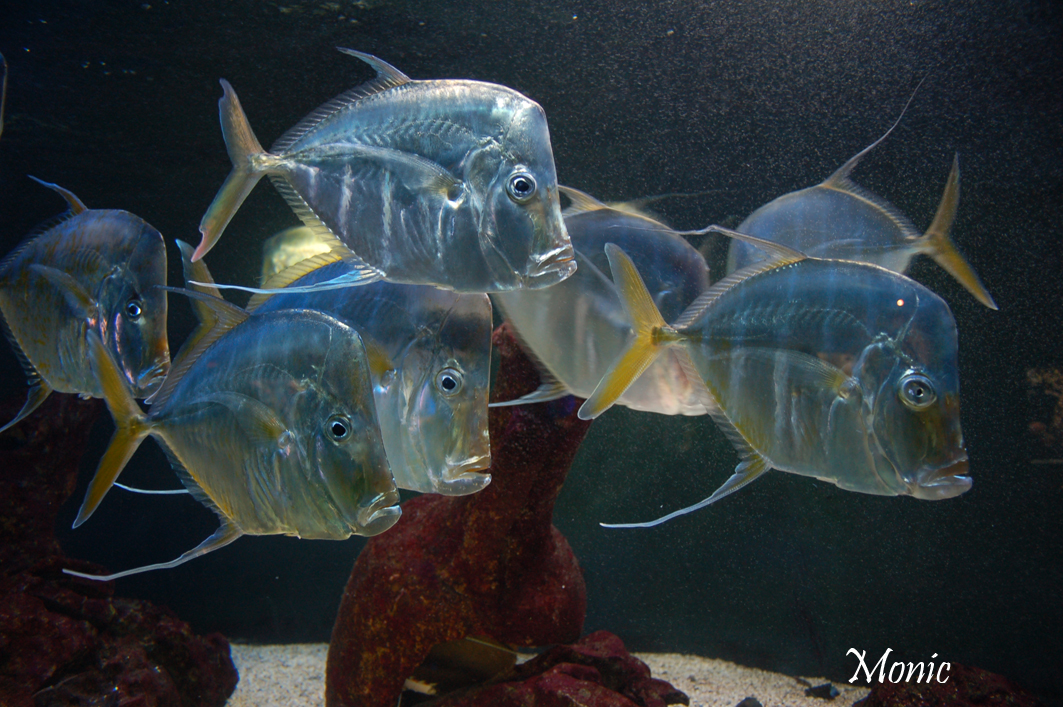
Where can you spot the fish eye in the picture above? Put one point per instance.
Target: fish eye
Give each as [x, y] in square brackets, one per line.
[521, 187]
[917, 392]
[338, 427]
[449, 381]
[134, 308]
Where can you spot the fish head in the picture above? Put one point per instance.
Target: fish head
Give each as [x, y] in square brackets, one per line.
[442, 399]
[345, 447]
[133, 302]
[522, 234]
[915, 411]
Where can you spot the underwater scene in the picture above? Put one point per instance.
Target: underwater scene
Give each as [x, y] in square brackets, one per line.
[591, 353]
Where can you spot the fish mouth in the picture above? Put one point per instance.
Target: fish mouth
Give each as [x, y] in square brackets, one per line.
[382, 513]
[945, 482]
[151, 380]
[551, 267]
[466, 477]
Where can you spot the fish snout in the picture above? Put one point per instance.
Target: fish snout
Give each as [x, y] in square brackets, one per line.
[149, 382]
[379, 514]
[551, 267]
[465, 477]
[944, 482]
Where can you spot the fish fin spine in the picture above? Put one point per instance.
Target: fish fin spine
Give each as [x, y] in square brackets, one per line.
[937, 243]
[76, 205]
[249, 164]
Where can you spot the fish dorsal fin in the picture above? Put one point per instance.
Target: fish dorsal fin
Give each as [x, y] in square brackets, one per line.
[222, 316]
[292, 273]
[76, 205]
[582, 202]
[778, 256]
[387, 77]
[840, 178]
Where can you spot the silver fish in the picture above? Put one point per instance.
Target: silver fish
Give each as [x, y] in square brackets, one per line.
[448, 183]
[268, 421]
[577, 329]
[839, 219]
[430, 358]
[97, 270]
[843, 371]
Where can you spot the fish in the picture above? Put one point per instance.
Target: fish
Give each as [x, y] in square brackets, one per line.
[99, 270]
[577, 329]
[430, 359]
[838, 370]
[448, 183]
[268, 421]
[287, 248]
[838, 219]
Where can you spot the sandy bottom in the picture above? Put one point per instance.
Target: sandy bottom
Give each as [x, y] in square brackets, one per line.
[294, 676]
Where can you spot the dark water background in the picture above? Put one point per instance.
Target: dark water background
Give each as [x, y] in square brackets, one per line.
[751, 99]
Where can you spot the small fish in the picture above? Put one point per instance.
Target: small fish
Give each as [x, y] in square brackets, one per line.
[98, 270]
[843, 371]
[839, 219]
[268, 421]
[448, 183]
[430, 358]
[577, 329]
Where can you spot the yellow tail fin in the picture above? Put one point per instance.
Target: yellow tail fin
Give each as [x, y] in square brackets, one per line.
[938, 245]
[130, 422]
[650, 330]
[243, 148]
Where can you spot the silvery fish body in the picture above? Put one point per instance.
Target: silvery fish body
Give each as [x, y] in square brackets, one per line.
[578, 328]
[431, 384]
[97, 270]
[271, 425]
[448, 183]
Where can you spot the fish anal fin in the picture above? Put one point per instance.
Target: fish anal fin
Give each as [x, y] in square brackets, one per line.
[387, 77]
[748, 470]
[650, 335]
[938, 245]
[37, 394]
[76, 205]
[221, 537]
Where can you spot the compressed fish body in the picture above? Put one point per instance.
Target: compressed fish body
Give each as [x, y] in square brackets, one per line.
[578, 328]
[448, 183]
[97, 270]
[431, 365]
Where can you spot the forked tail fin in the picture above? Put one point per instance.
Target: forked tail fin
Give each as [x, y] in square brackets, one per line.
[243, 148]
[937, 244]
[648, 327]
[130, 423]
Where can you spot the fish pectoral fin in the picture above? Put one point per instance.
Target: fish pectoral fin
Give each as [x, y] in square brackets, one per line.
[221, 537]
[549, 389]
[37, 394]
[938, 245]
[420, 174]
[255, 418]
[76, 296]
[745, 472]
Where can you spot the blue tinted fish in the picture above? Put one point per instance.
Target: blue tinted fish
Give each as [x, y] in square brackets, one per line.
[577, 329]
[98, 270]
[838, 370]
[448, 183]
[267, 420]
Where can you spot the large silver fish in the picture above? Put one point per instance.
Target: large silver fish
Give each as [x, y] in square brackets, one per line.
[98, 270]
[267, 420]
[577, 329]
[838, 370]
[448, 183]
[839, 219]
[430, 358]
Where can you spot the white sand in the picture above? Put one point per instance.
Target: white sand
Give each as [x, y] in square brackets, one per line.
[294, 676]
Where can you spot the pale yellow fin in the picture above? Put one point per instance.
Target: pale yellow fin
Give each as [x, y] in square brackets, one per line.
[937, 244]
[243, 146]
[292, 273]
[647, 326]
[379, 361]
[130, 423]
[581, 201]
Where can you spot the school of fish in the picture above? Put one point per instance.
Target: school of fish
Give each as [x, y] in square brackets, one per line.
[362, 363]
